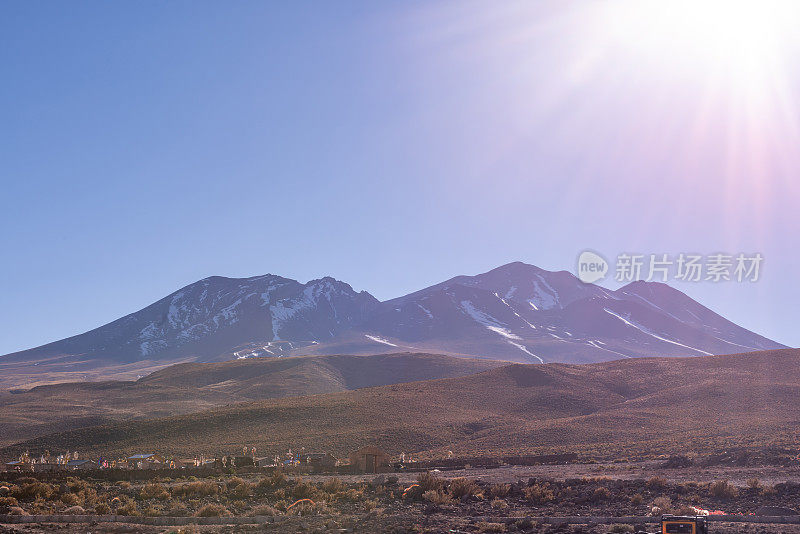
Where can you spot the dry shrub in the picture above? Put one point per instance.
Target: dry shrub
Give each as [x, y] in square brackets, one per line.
[264, 509]
[74, 510]
[70, 499]
[769, 491]
[351, 495]
[303, 490]
[152, 511]
[601, 494]
[722, 489]
[304, 507]
[238, 488]
[539, 493]
[8, 501]
[429, 481]
[661, 505]
[619, 528]
[31, 491]
[637, 499]
[16, 510]
[76, 485]
[154, 491]
[461, 487]
[499, 504]
[238, 505]
[102, 509]
[124, 484]
[754, 484]
[436, 497]
[88, 496]
[178, 509]
[333, 485]
[598, 480]
[275, 480]
[657, 483]
[129, 508]
[499, 491]
[484, 526]
[212, 510]
[201, 488]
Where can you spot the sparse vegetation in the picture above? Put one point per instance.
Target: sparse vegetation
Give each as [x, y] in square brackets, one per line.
[154, 491]
[722, 489]
[539, 493]
[429, 481]
[461, 487]
[338, 500]
[212, 510]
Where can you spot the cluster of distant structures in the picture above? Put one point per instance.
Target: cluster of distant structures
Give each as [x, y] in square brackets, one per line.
[365, 460]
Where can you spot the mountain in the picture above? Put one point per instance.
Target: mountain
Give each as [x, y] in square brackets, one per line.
[517, 312]
[191, 387]
[213, 319]
[523, 313]
[620, 409]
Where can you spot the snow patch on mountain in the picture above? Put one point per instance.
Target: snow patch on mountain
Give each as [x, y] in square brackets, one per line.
[380, 340]
[503, 332]
[545, 298]
[524, 349]
[653, 334]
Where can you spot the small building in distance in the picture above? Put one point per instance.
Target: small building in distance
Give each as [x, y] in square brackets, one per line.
[266, 461]
[318, 460]
[243, 461]
[145, 461]
[369, 459]
[80, 465]
[19, 465]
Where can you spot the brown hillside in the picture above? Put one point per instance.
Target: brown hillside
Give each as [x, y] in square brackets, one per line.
[638, 406]
[192, 387]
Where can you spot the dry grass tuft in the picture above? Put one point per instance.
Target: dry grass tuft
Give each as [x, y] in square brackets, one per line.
[212, 510]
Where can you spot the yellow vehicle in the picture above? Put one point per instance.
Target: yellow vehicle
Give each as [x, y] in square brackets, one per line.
[671, 524]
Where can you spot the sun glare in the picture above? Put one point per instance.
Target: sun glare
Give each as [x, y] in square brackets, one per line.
[744, 41]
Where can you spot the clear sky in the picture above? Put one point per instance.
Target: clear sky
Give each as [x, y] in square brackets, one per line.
[146, 145]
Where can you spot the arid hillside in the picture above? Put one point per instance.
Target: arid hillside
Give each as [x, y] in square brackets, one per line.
[636, 407]
[193, 387]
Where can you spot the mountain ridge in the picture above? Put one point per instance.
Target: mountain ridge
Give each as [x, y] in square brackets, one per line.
[517, 312]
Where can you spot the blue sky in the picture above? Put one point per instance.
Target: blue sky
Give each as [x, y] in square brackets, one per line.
[392, 145]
